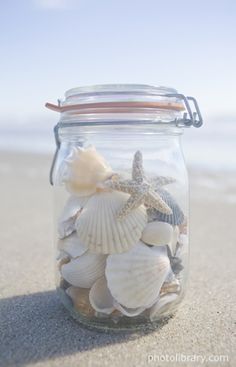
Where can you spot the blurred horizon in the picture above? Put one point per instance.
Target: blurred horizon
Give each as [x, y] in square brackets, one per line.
[50, 46]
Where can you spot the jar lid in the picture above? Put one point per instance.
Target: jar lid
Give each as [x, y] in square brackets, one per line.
[128, 98]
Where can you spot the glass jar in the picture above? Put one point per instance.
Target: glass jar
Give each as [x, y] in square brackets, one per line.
[121, 203]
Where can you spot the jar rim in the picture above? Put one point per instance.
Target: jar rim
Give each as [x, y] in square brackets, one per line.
[121, 99]
[95, 90]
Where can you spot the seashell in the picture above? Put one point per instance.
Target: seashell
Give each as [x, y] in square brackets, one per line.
[176, 265]
[72, 246]
[100, 297]
[157, 233]
[85, 169]
[63, 260]
[63, 284]
[130, 312]
[66, 222]
[170, 287]
[177, 216]
[161, 302]
[80, 299]
[99, 229]
[135, 277]
[174, 240]
[85, 270]
[161, 233]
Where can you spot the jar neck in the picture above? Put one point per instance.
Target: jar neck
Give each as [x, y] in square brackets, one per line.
[79, 134]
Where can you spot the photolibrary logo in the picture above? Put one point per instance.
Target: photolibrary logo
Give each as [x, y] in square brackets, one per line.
[187, 358]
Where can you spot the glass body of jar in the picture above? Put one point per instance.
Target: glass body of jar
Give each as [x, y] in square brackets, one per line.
[121, 217]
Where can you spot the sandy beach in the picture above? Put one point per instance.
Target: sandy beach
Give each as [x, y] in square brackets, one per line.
[37, 331]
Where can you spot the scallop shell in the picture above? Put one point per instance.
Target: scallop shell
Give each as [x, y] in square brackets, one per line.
[85, 270]
[66, 222]
[85, 169]
[99, 229]
[161, 302]
[135, 277]
[100, 297]
[177, 216]
[72, 246]
[102, 301]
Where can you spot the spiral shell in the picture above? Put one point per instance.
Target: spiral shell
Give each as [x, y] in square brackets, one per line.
[85, 169]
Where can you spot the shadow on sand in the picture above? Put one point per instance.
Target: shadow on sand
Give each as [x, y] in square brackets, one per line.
[36, 327]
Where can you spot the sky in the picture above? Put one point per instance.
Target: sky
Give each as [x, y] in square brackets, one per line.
[49, 46]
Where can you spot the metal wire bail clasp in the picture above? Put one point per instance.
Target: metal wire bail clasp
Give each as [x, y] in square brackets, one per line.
[58, 143]
[189, 118]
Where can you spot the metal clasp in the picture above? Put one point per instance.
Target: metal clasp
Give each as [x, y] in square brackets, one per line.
[190, 118]
[58, 143]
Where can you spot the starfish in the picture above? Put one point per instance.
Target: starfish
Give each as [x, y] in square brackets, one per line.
[140, 189]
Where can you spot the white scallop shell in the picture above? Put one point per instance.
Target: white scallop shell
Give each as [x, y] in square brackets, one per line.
[99, 229]
[100, 297]
[72, 246]
[66, 221]
[135, 277]
[85, 169]
[85, 270]
[157, 233]
[161, 302]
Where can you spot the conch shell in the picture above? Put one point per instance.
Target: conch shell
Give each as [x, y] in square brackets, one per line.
[85, 170]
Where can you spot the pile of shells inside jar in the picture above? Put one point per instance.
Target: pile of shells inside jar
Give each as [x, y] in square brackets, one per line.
[121, 240]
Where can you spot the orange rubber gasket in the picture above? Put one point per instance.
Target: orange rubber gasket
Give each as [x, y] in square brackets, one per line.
[111, 107]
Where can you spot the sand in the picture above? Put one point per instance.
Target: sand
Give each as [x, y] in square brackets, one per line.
[35, 330]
